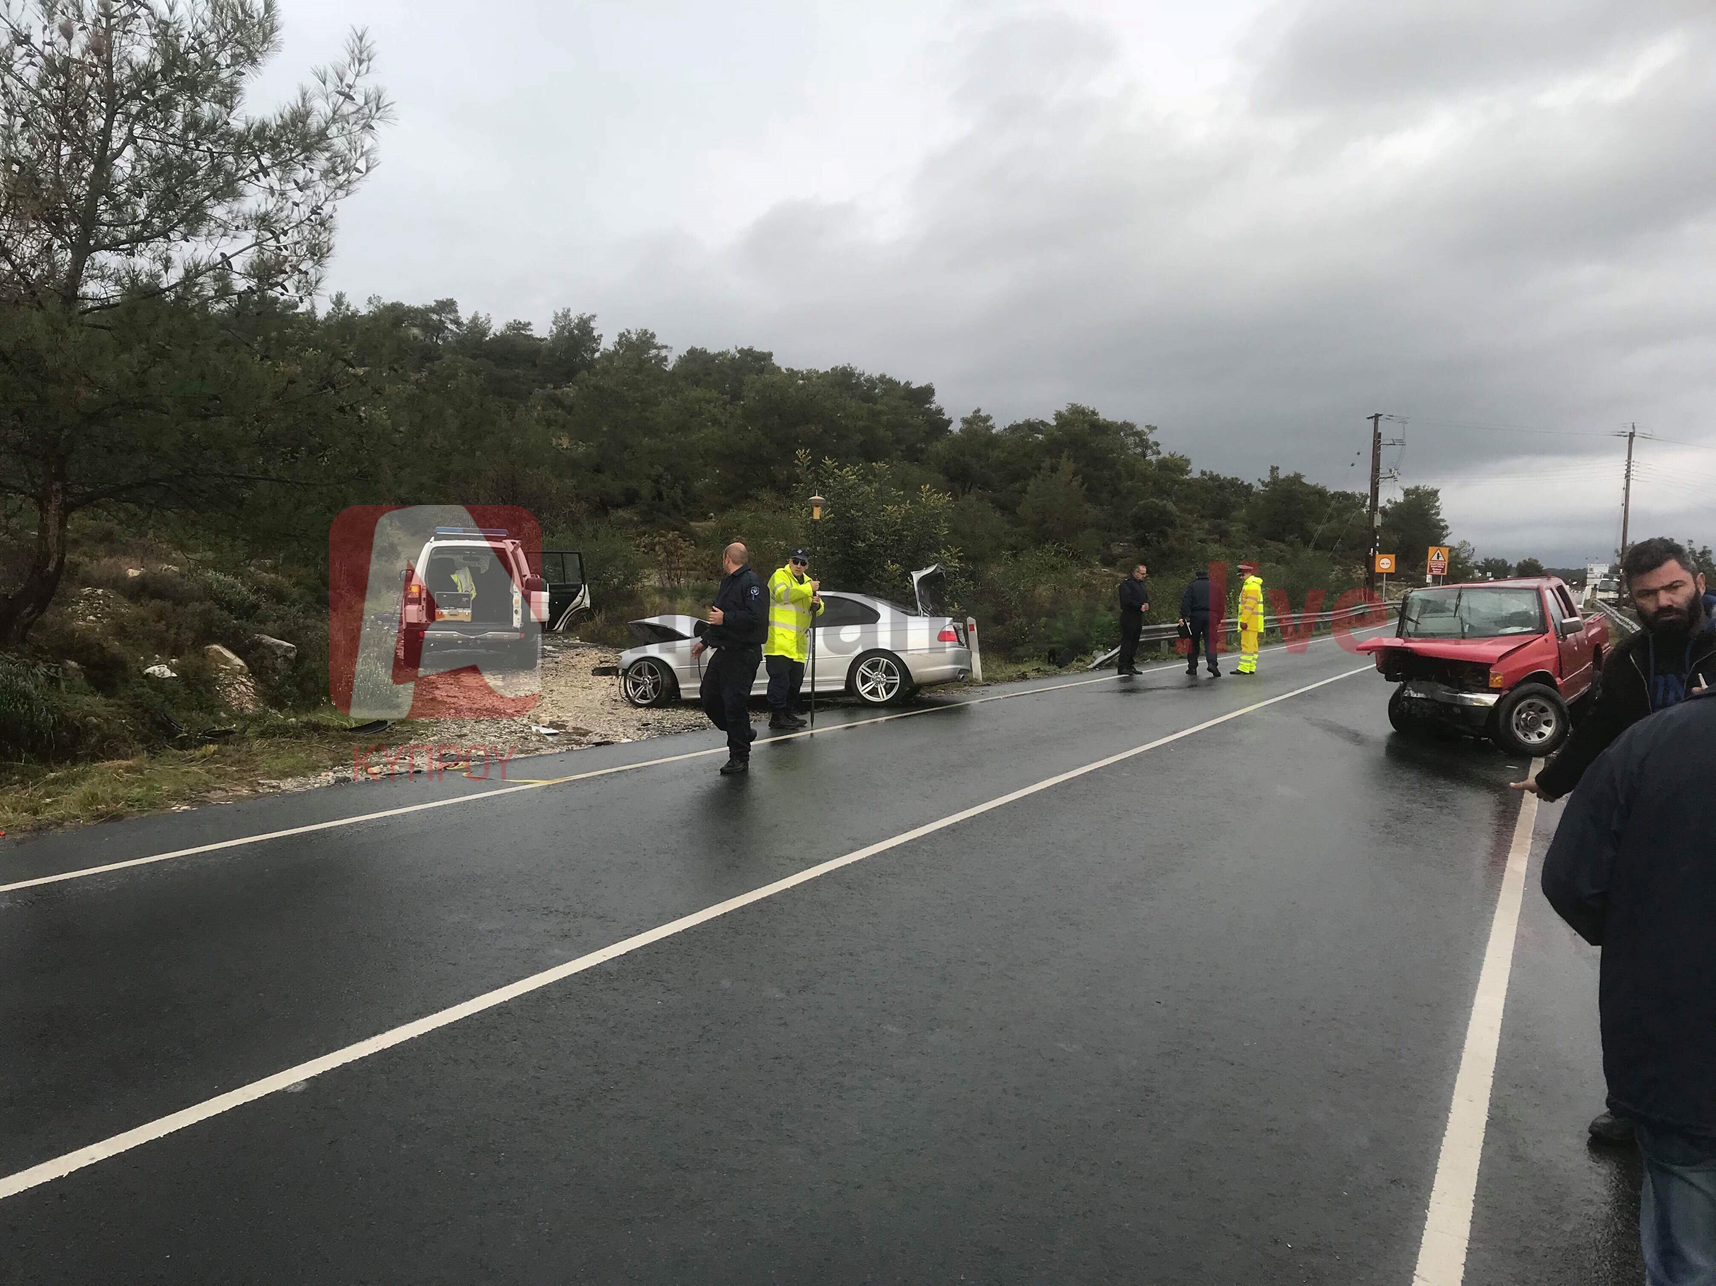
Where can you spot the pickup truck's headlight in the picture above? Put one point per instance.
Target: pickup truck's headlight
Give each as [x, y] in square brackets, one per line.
[1496, 680]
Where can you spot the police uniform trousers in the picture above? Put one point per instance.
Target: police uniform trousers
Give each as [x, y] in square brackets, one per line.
[1131, 626]
[1201, 632]
[786, 677]
[726, 688]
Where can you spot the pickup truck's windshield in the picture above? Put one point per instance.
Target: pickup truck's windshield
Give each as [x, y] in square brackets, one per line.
[1471, 612]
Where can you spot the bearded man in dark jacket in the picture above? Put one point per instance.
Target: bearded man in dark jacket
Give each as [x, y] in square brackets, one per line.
[1652, 670]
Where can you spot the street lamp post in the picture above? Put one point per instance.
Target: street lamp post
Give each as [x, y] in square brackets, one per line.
[816, 505]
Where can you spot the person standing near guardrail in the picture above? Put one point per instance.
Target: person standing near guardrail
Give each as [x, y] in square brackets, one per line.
[793, 604]
[1250, 618]
[1134, 602]
[1195, 611]
[738, 623]
[1630, 870]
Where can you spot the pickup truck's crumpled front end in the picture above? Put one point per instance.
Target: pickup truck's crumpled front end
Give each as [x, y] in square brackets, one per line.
[1445, 681]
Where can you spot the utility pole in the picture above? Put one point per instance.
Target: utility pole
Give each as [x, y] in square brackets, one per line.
[1375, 496]
[1627, 489]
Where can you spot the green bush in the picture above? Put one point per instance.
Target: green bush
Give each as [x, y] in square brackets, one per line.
[28, 717]
[228, 593]
[613, 567]
[103, 661]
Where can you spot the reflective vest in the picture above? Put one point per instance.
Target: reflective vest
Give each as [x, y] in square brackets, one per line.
[1251, 605]
[789, 615]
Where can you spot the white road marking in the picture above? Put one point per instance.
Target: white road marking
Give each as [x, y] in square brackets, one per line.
[1448, 1222]
[535, 783]
[60, 1166]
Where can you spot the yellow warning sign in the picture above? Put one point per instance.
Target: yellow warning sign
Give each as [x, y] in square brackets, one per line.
[1437, 564]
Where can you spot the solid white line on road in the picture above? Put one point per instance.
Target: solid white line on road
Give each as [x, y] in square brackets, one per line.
[534, 783]
[1448, 1222]
[60, 1166]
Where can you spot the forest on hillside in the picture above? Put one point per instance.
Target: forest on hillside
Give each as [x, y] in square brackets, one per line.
[221, 440]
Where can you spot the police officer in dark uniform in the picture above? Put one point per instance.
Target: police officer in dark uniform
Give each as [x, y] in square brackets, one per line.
[1134, 602]
[738, 623]
[1198, 614]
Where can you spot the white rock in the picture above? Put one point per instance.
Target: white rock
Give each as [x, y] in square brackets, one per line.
[223, 659]
[160, 672]
[280, 647]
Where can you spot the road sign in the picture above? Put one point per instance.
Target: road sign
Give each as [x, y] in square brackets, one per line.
[1385, 564]
[1437, 564]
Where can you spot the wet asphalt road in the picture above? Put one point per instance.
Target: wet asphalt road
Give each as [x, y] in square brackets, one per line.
[1191, 1017]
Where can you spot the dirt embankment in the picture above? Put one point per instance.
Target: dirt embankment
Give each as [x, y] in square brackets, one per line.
[576, 708]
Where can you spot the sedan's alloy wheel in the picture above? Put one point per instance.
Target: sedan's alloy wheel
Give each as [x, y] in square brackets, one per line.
[878, 680]
[643, 684]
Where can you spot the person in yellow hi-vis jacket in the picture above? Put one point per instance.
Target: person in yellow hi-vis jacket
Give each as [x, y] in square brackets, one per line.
[793, 604]
[1250, 617]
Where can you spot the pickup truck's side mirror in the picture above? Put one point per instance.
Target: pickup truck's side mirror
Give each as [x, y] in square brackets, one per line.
[1570, 626]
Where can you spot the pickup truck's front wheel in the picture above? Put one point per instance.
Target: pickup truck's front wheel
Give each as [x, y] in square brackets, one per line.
[1532, 720]
[1401, 714]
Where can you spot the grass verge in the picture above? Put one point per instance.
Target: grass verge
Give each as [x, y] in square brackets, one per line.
[40, 797]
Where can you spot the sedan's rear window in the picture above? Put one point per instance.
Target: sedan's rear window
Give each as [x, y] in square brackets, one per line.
[653, 632]
[837, 611]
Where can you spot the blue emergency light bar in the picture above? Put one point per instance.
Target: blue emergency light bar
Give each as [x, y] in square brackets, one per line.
[470, 531]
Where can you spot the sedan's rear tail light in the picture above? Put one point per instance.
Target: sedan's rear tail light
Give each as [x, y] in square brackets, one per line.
[948, 635]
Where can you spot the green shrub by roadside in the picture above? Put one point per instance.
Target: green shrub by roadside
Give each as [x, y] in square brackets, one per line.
[27, 709]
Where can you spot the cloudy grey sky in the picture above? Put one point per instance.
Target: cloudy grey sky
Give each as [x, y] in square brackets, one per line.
[1249, 222]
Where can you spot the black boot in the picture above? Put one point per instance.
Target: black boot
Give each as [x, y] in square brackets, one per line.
[1616, 1131]
[734, 767]
[781, 720]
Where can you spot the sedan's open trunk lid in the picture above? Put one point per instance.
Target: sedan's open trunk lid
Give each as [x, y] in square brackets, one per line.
[930, 587]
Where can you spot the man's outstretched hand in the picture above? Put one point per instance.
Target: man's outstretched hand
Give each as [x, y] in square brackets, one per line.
[1529, 786]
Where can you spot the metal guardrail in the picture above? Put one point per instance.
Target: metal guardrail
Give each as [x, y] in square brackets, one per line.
[1619, 617]
[1166, 633]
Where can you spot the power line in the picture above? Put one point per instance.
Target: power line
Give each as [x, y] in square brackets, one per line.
[1511, 428]
[1701, 446]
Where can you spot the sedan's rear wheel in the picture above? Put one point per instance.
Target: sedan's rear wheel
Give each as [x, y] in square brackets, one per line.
[648, 683]
[1532, 720]
[880, 678]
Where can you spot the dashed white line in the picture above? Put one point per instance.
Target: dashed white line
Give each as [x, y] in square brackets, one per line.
[1448, 1221]
[59, 1167]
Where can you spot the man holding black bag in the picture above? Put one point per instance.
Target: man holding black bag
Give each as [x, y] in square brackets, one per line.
[1196, 611]
[1134, 602]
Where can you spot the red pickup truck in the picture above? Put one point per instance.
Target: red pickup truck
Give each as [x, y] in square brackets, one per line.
[1502, 659]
